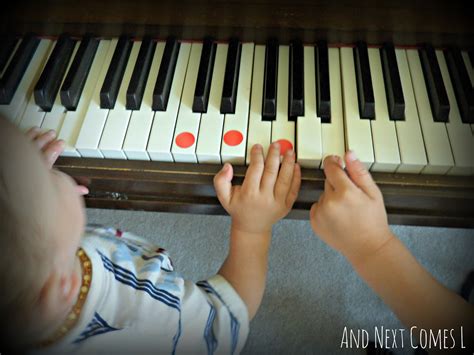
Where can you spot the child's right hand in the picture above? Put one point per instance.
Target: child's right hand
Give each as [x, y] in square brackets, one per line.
[350, 215]
[267, 193]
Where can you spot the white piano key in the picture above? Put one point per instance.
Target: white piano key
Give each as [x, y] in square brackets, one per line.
[357, 131]
[115, 127]
[210, 131]
[138, 131]
[235, 124]
[410, 139]
[435, 136]
[187, 124]
[73, 120]
[15, 109]
[33, 115]
[460, 138]
[259, 131]
[384, 135]
[332, 134]
[308, 127]
[54, 119]
[89, 136]
[162, 130]
[283, 130]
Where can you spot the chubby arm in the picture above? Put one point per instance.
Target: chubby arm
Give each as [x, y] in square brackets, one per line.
[266, 195]
[413, 294]
[350, 217]
[245, 267]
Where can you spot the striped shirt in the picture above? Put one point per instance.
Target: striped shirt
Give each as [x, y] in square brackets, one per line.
[138, 304]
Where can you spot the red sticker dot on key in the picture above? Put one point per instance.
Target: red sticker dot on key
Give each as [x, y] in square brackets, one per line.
[233, 138]
[185, 140]
[284, 146]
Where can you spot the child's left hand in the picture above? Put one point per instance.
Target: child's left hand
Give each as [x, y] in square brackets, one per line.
[267, 193]
[50, 148]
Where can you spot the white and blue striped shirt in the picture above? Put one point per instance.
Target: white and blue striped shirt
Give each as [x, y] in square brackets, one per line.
[138, 304]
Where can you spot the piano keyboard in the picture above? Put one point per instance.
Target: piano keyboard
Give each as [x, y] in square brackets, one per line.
[401, 110]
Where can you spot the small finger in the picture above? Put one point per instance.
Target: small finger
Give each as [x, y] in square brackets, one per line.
[255, 169]
[82, 190]
[295, 186]
[328, 188]
[43, 139]
[336, 176]
[32, 133]
[52, 151]
[272, 165]
[360, 175]
[223, 184]
[285, 176]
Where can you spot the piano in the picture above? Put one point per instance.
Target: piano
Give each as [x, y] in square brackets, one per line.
[152, 97]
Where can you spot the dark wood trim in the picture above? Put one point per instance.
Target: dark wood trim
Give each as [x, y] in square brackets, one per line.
[178, 187]
[405, 22]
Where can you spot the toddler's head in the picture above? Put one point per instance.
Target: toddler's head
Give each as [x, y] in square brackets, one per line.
[41, 223]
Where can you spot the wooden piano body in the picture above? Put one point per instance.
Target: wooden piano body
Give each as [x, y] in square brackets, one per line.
[178, 187]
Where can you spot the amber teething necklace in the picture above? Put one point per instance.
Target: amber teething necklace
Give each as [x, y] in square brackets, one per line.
[73, 315]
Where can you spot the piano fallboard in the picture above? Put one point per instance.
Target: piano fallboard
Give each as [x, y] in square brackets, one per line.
[401, 21]
[429, 200]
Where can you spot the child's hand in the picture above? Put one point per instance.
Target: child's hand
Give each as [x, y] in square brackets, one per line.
[267, 193]
[350, 215]
[47, 143]
[51, 148]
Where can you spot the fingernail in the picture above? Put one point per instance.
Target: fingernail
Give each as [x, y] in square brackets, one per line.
[257, 147]
[337, 159]
[51, 133]
[351, 156]
[276, 145]
[290, 152]
[225, 167]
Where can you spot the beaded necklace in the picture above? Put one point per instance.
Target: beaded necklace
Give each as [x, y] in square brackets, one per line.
[73, 315]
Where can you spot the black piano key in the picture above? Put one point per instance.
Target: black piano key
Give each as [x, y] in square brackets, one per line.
[139, 77]
[47, 87]
[7, 46]
[461, 84]
[16, 69]
[296, 81]
[204, 78]
[393, 85]
[365, 91]
[231, 77]
[114, 76]
[323, 94]
[161, 93]
[434, 84]
[76, 76]
[269, 104]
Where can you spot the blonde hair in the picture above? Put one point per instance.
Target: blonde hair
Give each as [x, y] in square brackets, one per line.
[25, 260]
